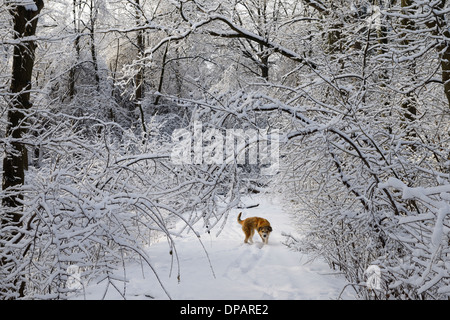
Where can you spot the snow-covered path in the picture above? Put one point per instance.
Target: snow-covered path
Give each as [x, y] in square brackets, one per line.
[234, 271]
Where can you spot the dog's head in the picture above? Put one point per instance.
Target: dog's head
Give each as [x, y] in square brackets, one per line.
[265, 231]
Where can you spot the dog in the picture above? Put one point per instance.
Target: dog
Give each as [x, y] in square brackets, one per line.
[249, 225]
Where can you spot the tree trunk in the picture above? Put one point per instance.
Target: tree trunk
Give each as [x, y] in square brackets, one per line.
[73, 69]
[25, 20]
[444, 47]
[92, 19]
[440, 28]
[264, 64]
[161, 75]
[445, 65]
[139, 78]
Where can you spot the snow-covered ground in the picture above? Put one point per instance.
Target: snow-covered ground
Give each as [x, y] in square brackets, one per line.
[234, 270]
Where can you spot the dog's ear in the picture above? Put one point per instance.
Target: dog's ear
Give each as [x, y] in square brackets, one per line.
[270, 229]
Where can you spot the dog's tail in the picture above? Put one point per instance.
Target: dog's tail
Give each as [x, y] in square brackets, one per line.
[239, 218]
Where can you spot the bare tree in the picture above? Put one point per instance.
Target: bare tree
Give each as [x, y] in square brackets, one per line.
[25, 19]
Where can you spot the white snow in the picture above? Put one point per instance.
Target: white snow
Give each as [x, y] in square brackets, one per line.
[29, 5]
[233, 271]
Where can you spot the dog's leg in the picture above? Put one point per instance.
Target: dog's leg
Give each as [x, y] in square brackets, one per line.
[247, 233]
[252, 233]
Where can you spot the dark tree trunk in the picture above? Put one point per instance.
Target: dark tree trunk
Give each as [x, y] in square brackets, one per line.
[92, 19]
[25, 21]
[139, 78]
[445, 64]
[76, 30]
[15, 159]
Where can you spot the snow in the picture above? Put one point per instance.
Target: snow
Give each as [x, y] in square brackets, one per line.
[28, 4]
[31, 7]
[229, 269]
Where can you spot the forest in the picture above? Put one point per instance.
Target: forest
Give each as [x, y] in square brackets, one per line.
[353, 95]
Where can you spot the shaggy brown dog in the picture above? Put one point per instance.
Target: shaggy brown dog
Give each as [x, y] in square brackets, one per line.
[249, 225]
